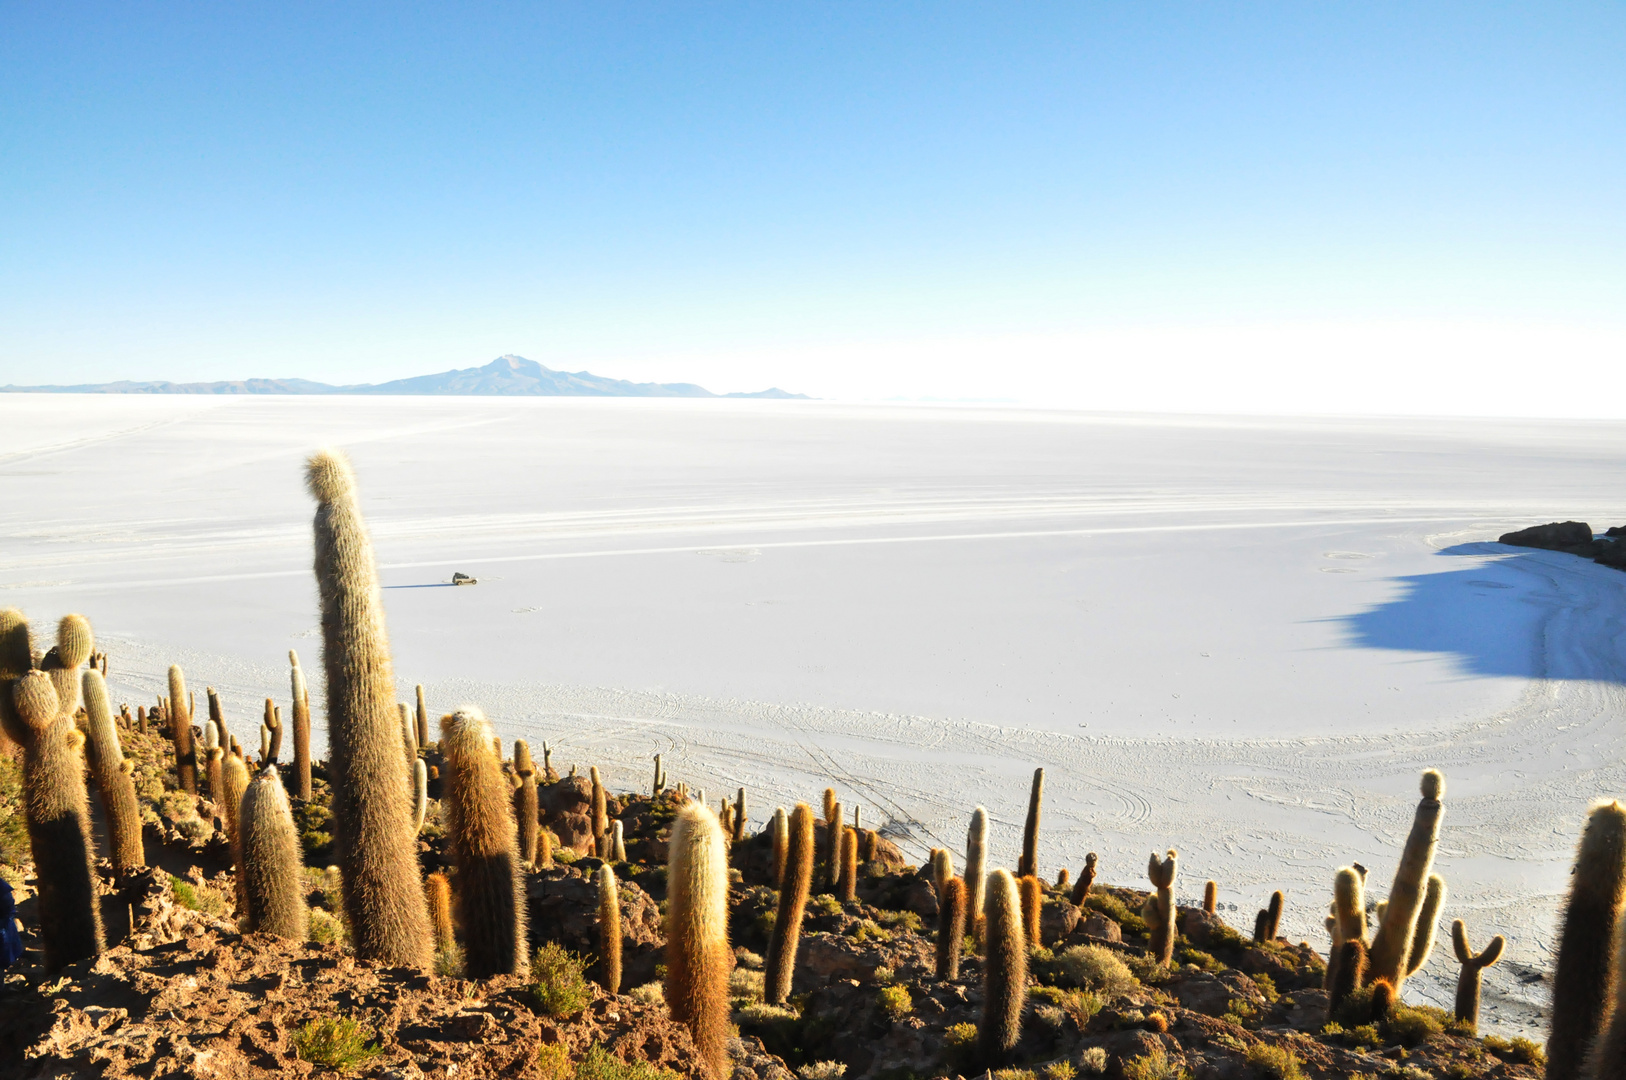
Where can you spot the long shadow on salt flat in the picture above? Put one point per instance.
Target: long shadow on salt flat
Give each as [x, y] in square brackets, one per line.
[1494, 617]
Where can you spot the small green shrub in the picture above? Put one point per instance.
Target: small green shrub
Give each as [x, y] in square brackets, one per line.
[1059, 1070]
[600, 1064]
[1520, 1051]
[1154, 1066]
[1014, 1074]
[553, 1062]
[1203, 960]
[336, 1042]
[823, 1070]
[565, 855]
[745, 985]
[825, 904]
[900, 920]
[1092, 967]
[1093, 1060]
[558, 981]
[1274, 1062]
[1412, 1026]
[197, 897]
[1267, 986]
[960, 1035]
[327, 928]
[895, 1002]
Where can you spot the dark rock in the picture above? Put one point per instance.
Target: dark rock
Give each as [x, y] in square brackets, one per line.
[1099, 926]
[1554, 536]
[1057, 919]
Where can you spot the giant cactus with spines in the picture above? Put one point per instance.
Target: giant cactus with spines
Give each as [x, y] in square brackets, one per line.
[609, 931]
[114, 779]
[55, 806]
[387, 914]
[794, 886]
[1467, 1002]
[1159, 909]
[976, 869]
[941, 868]
[74, 646]
[698, 958]
[1391, 943]
[1004, 970]
[1347, 972]
[1583, 977]
[950, 929]
[180, 730]
[1029, 864]
[1032, 894]
[480, 830]
[779, 829]
[273, 872]
[438, 891]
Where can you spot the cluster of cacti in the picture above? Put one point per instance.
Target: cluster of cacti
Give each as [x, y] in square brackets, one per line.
[1267, 923]
[490, 897]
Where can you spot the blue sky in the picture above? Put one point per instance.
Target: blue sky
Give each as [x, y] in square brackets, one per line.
[1284, 207]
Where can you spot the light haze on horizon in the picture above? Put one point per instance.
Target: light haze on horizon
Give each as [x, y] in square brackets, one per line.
[1169, 207]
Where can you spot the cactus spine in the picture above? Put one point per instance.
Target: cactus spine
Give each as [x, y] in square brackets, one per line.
[1004, 972]
[609, 931]
[697, 953]
[1582, 979]
[526, 811]
[273, 872]
[1467, 1003]
[383, 895]
[976, 868]
[480, 828]
[1159, 909]
[1423, 941]
[950, 929]
[795, 883]
[1029, 866]
[1086, 878]
[1391, 944]
[180, 730]
[1210, 896]
[438, 891]
[1032, 904]
[847, 890]
[780, 828]
[113, 778]
[58, 816]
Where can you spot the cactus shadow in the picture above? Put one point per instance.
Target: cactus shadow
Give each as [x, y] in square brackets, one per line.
[426, 585]
[1494, 618]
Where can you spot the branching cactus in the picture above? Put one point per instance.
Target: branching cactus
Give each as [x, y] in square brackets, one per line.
[378, 858]
[609, 931]
[1159, 909]
[1422, 942]
[1391, 944]
[1347, 922]
[74, 646]
[698, 958]
[114, 779]
[273, 872]
[976, 869]
[1467, 1004]
[180, 730]
[1029, 865]
[950, 929]
[1086, 878]
[780, 830]
[480, 832]
[1004, 971]
[57, 813]
[1583, 977]
[794, 886]
[1032, 907]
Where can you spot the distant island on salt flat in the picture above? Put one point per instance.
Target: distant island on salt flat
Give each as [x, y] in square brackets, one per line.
[506, 376]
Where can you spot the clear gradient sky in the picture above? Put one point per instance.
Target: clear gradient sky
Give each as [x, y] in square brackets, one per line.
[1371, 207]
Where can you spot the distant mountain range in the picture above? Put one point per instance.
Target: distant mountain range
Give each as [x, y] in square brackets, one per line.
[506, 376]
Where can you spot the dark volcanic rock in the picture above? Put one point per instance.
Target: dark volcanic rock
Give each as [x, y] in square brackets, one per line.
[1555, 536]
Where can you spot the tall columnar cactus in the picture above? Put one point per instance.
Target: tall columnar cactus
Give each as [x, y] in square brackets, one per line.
[739, 817]
[1467, 1004]
[1268, 923]
[383, 894]
[211, 759]
[1348, 920]
[832, 843]
[601, 816]
[1004, 971]
[1391, 944]
[1032, 907]
[422, 717]
[794, 886]
[180, 730]
[1583, 976]
[1159, 909]
[779, 829]
[217, 719]
[273, 871]
[409, 734]
[438, 892]
[16, 660]
[618, 842]
[976, 868]
[233, 785]
[527, 813]
[114, 779]
[1210, 896]
[544, 849]
[1347, 972]
[658, 784]
[1086, 878]
[1029, 864]
[950, 929]
[74, 646]
[480, 831]
[869, 845]
[1422, 942]
[420, 794]
[941, 868]
[56, 810]
[609, 931]
[698, 958]
[847, 887]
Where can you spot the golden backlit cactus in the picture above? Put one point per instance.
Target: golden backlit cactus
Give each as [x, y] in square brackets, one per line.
[114, 779]
[438, 893]
[847, 885]
[1422, 942]
[1210, 896]
[180, 731]
[1347, 922]
[1029, 864]
[384, 901]
[526, 809]
[1391, 944]
[950, 929]
[233, 784]
[698, 958]
[422, 717]
[976, 869]
[1004, 970]
[795, 884]
[273, 870]
[74, 645]
[600, 814]
[940, 867]
[1159, 909]
[779, 830]
[1584, 979]
[475, 798]
[1032, 893]
[609, 931]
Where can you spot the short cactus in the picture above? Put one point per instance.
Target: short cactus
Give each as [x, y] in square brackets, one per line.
[1004, 971]
[113, 779]
[1391, 944]
[779, 829]
[1347, 922]
[1467, 1003]
[600, 815]
[480, 831]
[847, 884]
[273, 872]
[950, 929]
[1086, 879]
[1267, 924]
[438, 893]
[1210, 896]
[609, 931]
[1583, 977]
[618, 842]
[1348, 971]
[1159, 909]
[421, 717]
[1032, 906]
[180, 730]
[794, 886]
[698, 958]
[1029, 864]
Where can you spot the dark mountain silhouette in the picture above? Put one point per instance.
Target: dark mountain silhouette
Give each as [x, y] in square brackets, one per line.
[506, 376]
